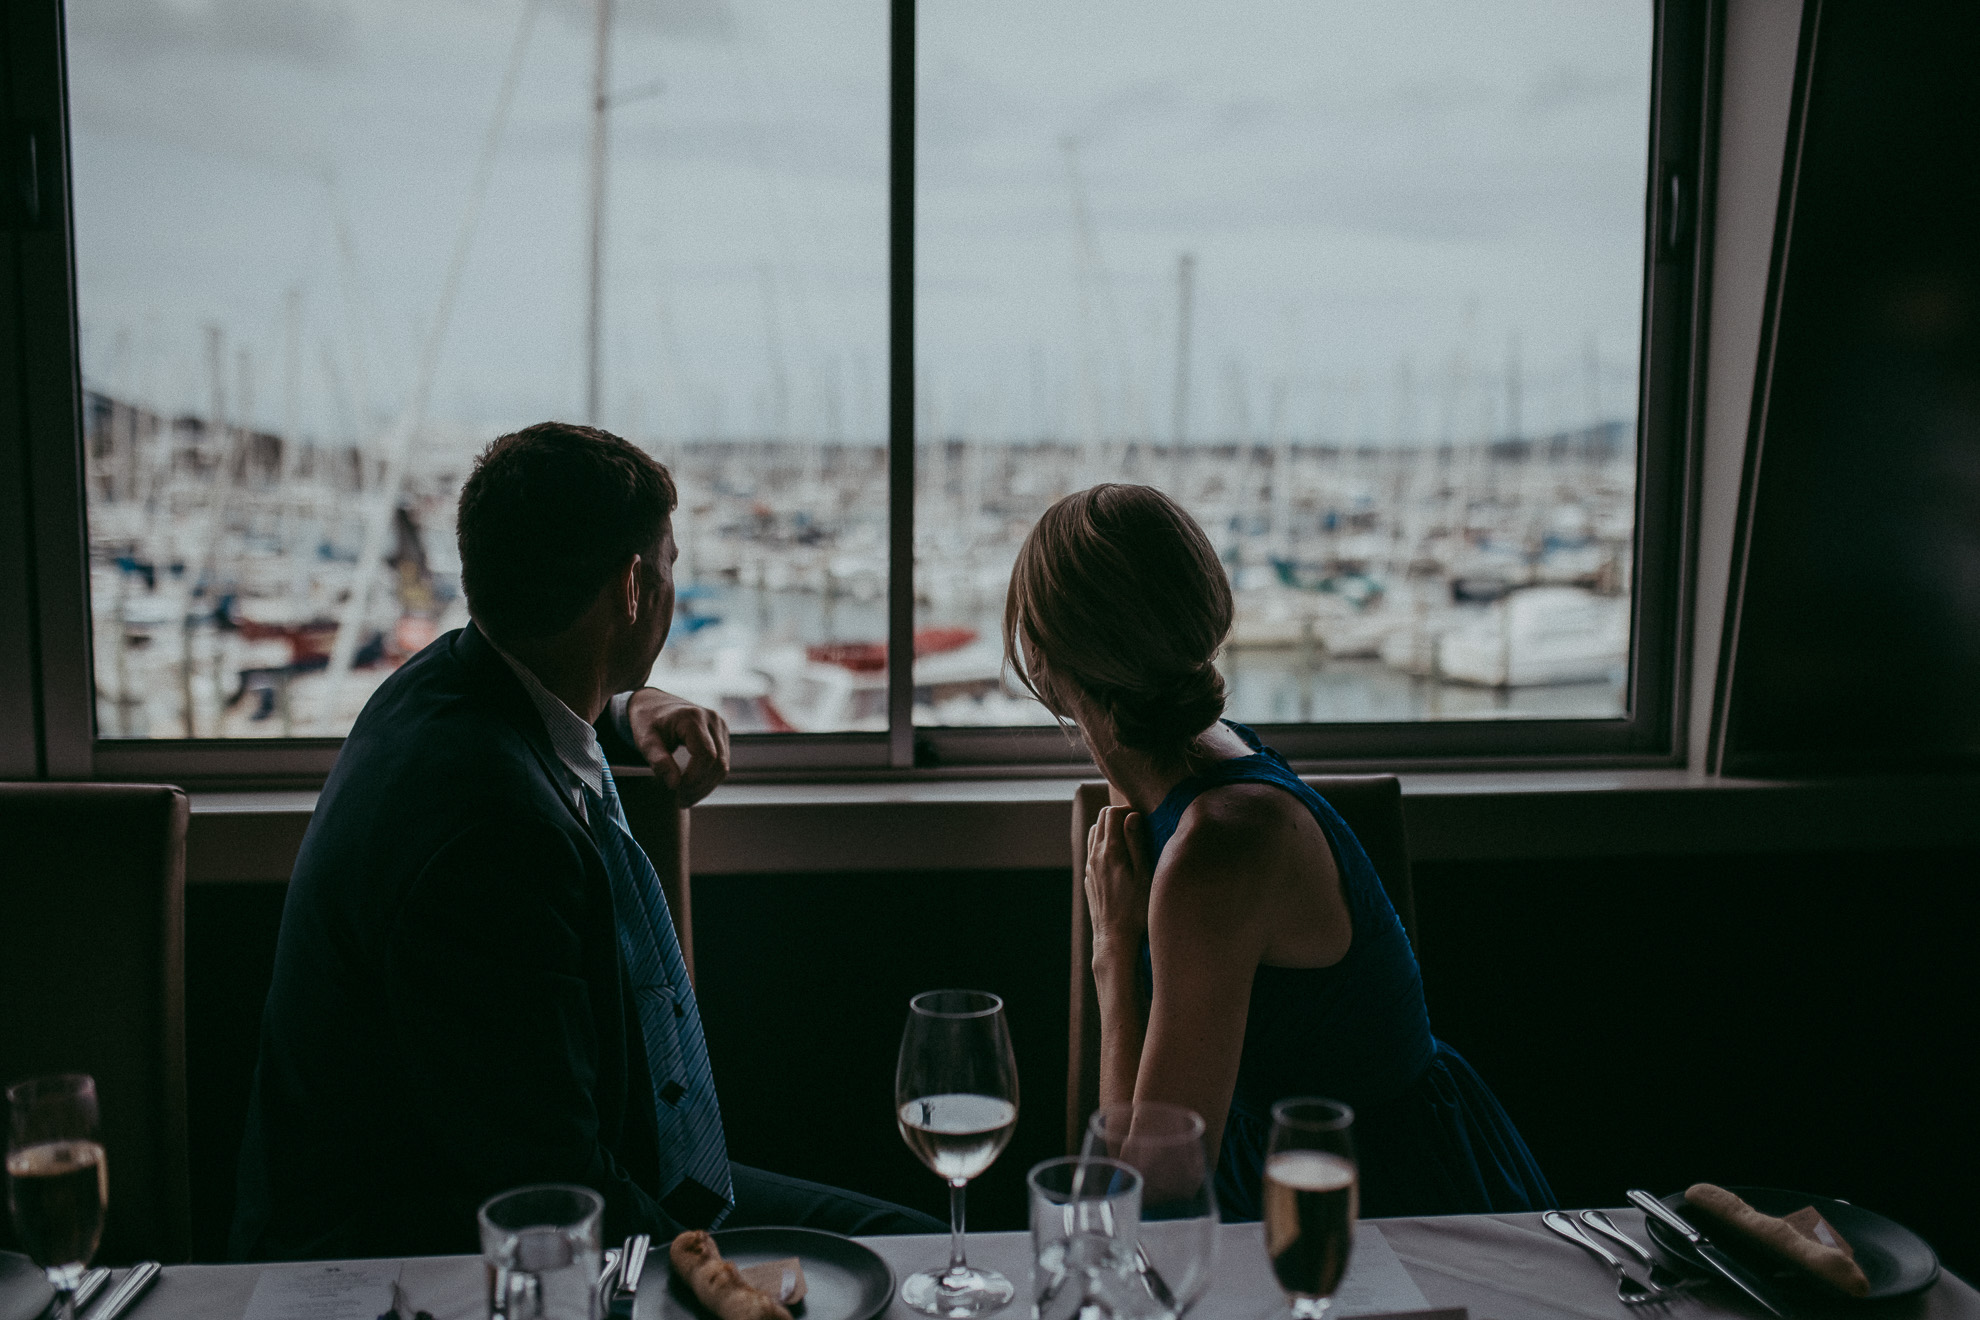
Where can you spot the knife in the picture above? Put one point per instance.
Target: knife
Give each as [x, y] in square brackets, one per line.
[632, 1262]
[140, 1277]
[1727, 1268]
[85, 1293]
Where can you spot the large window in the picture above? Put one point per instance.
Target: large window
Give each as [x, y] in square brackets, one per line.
[326, 250]
[1360, 283]
[1365, 284]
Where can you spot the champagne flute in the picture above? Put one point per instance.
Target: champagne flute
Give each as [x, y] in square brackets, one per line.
[58, 1183]
[1312, 1197]
[956, 1100]
[1164, 1143]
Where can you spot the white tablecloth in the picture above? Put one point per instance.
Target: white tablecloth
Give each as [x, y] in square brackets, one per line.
[1501, 1267]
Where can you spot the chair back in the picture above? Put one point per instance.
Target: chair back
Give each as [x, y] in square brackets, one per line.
[661, 827]
[1372, 807]
[92, 886]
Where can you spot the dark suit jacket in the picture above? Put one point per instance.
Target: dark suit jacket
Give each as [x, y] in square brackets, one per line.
[449, 1015]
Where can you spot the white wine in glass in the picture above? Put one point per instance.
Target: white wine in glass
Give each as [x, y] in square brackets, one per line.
[956, 1101]
[1312, 1197]
[58, 1181]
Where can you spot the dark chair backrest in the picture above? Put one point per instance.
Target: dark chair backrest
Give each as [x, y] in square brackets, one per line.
[1372, 807]
[662, 830]
[92, 980]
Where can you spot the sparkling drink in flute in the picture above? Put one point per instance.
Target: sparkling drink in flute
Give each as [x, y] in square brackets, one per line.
[956, 1101]
[58, 1180]
[1311, 1197]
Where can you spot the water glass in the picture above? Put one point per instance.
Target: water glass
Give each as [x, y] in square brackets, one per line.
[1085, 1217]
[1165, 1144]
[542, 1252]
[58, 1181]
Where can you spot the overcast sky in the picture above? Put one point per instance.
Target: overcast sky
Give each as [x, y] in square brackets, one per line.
[1387, 201]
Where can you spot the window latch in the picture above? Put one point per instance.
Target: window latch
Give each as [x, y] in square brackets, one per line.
[1677, 214]
[24, 205]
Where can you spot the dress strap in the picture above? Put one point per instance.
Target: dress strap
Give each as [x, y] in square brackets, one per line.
[1259, 766]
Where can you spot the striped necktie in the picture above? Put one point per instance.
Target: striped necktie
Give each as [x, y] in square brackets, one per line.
[694, 1156]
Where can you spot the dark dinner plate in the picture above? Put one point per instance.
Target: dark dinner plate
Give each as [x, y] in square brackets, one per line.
[843, 1280]
[1895, 1260]
[24, 1290]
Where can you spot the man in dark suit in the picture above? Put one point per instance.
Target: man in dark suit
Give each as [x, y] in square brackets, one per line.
[477, 984]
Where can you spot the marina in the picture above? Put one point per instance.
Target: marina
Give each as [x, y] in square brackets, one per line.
[230, 574]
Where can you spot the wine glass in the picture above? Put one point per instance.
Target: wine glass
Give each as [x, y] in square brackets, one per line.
[1312, 1197]
[58, 1183]
[1085, 1215]
[1177, 1245]
[956, 1099]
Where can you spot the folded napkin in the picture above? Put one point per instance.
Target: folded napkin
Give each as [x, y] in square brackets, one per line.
[1803, 1239]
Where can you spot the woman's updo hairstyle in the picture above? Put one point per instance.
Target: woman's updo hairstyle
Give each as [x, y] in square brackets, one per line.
[1117, 597]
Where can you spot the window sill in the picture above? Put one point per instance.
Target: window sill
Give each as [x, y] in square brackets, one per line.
[1018, 824]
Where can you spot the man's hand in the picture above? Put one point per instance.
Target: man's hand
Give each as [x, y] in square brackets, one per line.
[662, 723]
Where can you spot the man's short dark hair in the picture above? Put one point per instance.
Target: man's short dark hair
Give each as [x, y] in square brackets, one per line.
[548, 516]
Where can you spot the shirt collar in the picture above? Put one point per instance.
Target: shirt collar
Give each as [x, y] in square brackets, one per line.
[570, 737]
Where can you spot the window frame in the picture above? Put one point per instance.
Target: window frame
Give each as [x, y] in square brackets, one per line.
[44, 556]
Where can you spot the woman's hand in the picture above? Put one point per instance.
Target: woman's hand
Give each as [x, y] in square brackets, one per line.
[1119, 871]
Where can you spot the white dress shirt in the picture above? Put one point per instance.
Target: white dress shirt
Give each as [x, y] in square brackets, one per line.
[576, 745]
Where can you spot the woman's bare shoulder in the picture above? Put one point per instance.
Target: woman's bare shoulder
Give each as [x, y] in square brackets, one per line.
[1246, 834]
[1247, 815]
[1234, 832]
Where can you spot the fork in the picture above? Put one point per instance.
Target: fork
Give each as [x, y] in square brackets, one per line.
[1660, 1274]
[1629, 1290]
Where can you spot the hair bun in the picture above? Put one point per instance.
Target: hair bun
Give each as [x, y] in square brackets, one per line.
[1170, 713]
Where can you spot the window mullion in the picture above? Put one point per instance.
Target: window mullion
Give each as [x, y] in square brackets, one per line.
[900, 387]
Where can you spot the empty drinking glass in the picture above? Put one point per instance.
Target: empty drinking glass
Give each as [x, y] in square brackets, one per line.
[541, 1249]
[1085, 1215]
[1177, 1245]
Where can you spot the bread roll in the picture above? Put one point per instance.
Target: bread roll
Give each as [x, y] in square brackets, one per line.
[718, 1284]
[1833, 1265]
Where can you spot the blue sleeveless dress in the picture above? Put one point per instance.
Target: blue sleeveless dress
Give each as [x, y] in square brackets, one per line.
[1430, 1137]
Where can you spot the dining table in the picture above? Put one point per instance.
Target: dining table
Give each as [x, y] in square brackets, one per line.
[1494, 1267]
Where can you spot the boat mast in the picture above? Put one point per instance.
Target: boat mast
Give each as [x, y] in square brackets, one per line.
[1179, 427]
[595, 307]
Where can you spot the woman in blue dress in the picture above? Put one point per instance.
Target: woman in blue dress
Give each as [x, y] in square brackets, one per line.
[1244, 949]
